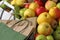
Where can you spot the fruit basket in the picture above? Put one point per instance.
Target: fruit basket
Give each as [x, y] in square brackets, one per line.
[44, 15]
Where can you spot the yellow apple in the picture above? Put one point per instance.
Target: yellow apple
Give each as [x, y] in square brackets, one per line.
[29, 13]
[52, 12]
[33, 6]
[44, 17]
[20, 2]
[44, 29]
[13, 2]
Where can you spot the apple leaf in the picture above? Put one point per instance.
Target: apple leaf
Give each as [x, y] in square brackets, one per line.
[16, 12]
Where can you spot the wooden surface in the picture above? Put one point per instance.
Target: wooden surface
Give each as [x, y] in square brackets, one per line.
[21, 25]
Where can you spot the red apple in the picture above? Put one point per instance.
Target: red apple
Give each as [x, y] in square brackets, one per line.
[36, 35]
[27, 5]
[50, 4]
[54, 12]
[57, 11]
[36, 0]
[40, 10]
[39, 3]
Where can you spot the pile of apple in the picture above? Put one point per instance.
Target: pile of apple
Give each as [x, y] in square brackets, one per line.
[29, 9]
[48, 17]
[48, 21]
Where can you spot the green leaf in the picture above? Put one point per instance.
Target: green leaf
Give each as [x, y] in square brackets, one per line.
[3, 6]
[16, 11]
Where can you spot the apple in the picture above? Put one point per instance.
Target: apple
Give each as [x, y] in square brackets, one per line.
[35, 0]
[54, 0]
[39, 3]
[29, 13]
[13, 2]
[59, 21]
[57, 11]
[41, 37]
[56, 35]
[22, 12]
[20, 2]
[40, 10]
[36, 35]
[33, 6]
[58, 5]
[27, 5]
[58, 28]
[50, 37]
[44, 29]
[53, 23]
[49, 5]
[44, 17]
[54, 12]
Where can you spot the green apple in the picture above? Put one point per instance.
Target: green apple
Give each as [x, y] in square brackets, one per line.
[59, 22]
[50, 37]
[58, 5]
[33, 6]
[22, 12]
[41, 37]
[44, 28]
[56, 35]
[58, 28]
[29, 13]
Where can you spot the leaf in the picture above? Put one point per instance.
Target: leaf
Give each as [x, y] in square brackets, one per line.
[16, 11]
[3, 6]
